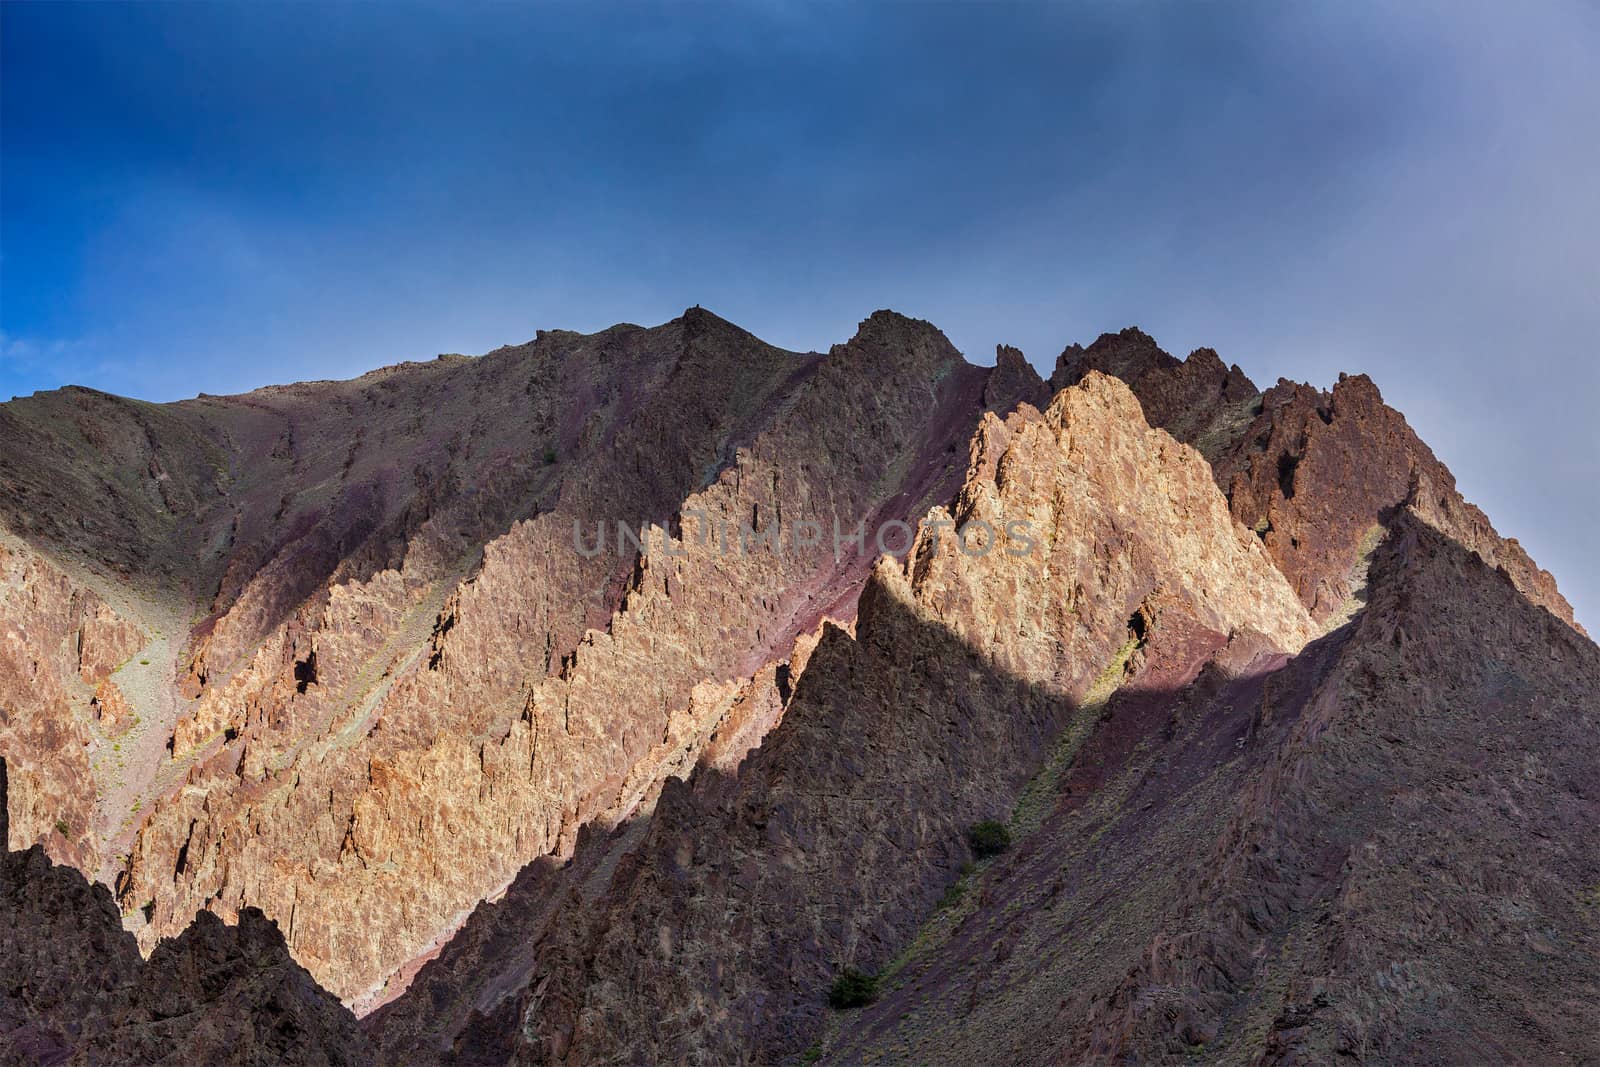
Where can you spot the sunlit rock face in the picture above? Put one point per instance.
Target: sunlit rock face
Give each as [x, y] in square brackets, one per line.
[391, 677]
[76, 990]
[1313, 472]
[60, 645]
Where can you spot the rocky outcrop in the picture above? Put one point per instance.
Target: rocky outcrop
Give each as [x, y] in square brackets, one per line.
[111, 709]
[1316, 470]
[75, 990]
[59, 644]
[1014, 381]
[1313, 473]
[1379, 851]
[1200, 401]
[716, 935]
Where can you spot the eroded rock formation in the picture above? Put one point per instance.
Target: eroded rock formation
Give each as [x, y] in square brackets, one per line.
[1313, 472]
[369, 694]
[75, 990]
[59, 645]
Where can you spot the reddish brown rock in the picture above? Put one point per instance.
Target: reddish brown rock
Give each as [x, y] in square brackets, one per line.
[394, 689]
[111, 709]
[1313, 473]
[1014, 382]
[403, 740]
[58, 644]
[1200, 401]
[1316, 471]
[105, 641]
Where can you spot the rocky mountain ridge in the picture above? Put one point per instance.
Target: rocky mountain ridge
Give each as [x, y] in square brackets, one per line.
[360, 651]
[388, 688]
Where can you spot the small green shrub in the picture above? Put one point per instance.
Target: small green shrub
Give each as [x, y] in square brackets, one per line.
[62, 828]
[144, 663]
[549, 456]
[988, 838]
[812, 1054]
[853, 989]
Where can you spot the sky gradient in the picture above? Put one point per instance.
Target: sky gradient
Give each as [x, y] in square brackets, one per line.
[212, 198]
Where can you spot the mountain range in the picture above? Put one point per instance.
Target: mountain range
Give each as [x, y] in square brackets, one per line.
[662, 696]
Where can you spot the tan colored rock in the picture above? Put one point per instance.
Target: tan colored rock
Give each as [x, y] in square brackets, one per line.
[1313, 473]
[1114, 511]
[57, 640]
[397, 691]
[111, 709]
[720, 930]
[74, 989]
[400, 745]
[105, 641]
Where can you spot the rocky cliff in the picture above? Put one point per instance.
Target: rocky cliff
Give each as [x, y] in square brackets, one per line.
[720, 930]
[405, 663]
[75, 990]
[64, 717]
[1311, 471]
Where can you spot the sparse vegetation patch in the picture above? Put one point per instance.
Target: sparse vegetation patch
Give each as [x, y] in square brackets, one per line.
[853, 989]
[988, 838]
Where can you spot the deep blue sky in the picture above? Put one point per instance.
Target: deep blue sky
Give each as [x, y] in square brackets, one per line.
[219, 197]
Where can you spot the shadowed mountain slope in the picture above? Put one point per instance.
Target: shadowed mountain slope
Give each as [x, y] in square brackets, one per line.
[1384, 850]
[713, 933]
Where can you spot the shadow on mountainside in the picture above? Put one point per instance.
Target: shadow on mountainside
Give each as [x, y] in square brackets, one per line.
[1240, 858]
[73, 987]
[1386, 850]
[844, 826]
[343, 774]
